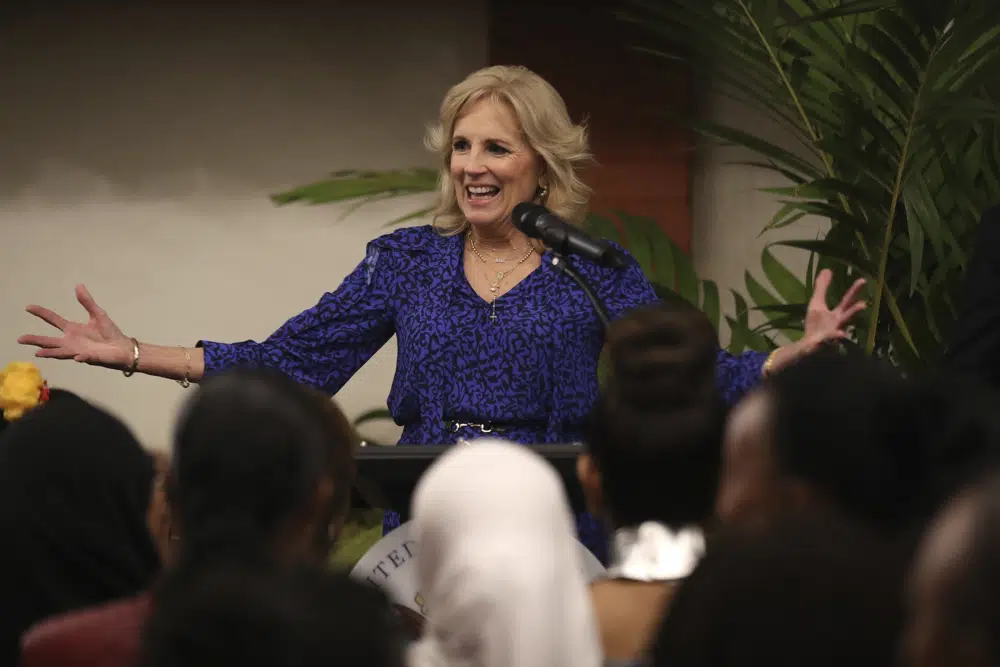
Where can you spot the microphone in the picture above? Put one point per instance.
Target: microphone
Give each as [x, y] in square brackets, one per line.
[539, 222]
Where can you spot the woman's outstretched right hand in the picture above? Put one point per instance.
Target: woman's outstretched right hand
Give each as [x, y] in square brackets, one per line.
[98, 341]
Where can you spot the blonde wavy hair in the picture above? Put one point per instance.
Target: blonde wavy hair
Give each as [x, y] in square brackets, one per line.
[546, 127]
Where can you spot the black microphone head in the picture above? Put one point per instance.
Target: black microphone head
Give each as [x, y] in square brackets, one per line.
[525, 216]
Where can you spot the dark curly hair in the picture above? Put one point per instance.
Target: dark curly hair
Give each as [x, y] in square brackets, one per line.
[655, 432]
[251, 449]
[817, 590]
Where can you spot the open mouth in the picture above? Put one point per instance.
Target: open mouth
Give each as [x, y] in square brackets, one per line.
[480, 193]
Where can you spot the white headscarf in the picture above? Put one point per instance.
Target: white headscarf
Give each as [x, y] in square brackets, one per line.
[499, 564]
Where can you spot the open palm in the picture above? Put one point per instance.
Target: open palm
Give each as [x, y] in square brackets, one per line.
[824, 324]
[98, 341]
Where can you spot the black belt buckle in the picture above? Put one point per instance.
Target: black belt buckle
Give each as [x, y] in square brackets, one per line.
[486, 427]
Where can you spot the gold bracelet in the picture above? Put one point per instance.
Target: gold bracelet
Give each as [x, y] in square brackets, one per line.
[130, 371]
[765, 370]
[186, 382]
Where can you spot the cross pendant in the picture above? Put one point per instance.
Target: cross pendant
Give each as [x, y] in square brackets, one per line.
[493, 311]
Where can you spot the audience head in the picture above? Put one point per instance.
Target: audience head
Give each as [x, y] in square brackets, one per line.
[75, 488]
[500, 567]
[957, 425]
[653, 444]
[507, 127]
[828, 430]
[262, 469]
[254, 617]
[850, 432]
[953, 619]
[816, 590]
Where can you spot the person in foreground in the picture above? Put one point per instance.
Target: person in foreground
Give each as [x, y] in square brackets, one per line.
[261, 474]
[262, 617]
[491, 336]
[816, 590]
[906, 448]
[75, 494]
[650, 466]
[953, 619]
[499, 568]
[974, 340]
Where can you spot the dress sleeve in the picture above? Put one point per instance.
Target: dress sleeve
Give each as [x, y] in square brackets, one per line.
[324, 346]
[626, 290]
[738, 374]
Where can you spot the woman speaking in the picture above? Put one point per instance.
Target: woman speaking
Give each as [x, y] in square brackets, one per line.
[491, 337]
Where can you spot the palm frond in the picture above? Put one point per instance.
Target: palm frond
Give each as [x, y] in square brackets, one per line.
[361, 187]
[900, 137]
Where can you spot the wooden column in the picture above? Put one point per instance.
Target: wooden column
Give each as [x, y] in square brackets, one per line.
[643, 156]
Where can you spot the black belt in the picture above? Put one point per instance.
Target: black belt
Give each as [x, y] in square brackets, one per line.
[483, 427]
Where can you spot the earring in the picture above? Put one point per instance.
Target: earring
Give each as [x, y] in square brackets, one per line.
[543, 192]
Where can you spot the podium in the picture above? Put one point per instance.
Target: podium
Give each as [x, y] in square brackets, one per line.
[387, 476]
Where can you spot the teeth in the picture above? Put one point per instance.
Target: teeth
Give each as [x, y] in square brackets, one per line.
[483, 189]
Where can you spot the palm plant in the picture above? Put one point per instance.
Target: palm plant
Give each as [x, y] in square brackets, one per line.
[895, 134]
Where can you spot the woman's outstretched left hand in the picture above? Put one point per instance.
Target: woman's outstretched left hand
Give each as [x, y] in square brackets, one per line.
[823, 324]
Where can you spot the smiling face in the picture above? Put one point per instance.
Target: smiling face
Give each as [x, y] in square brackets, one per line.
[492, 167]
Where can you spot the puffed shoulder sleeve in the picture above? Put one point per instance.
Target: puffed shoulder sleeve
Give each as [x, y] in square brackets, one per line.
[626, 288]
[325, 345]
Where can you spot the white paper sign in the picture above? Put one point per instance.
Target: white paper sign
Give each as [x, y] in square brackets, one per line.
[389, 565]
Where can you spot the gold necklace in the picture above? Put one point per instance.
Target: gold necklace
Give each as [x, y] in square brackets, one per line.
[492, 254]
[495, 284]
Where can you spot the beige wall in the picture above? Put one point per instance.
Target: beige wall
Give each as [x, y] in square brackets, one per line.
[728, 210]
[138, 147]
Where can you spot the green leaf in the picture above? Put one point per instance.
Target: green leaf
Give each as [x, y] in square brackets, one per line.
[687, 279]
[742, 310]
[792, 176]
[639, 239]
[765, 148]
[834, 213]
[350, 185]
[603, 227]
[765, 17]
[916, 238]
[788, 286]
[361, 531]
[906, 35]
[845, 255]
[710, 303]
[842, 10]
[763, 299]
[891, 53]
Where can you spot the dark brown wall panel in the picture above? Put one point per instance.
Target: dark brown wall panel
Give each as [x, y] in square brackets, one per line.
[643, 156]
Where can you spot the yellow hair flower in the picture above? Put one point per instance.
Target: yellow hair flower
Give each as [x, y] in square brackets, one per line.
[22, 388]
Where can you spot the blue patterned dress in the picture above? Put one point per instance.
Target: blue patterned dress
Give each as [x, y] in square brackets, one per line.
[533, 369]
